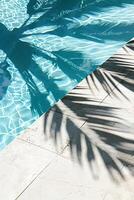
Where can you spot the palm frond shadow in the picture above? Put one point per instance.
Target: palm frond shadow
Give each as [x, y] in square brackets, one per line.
[106, 132]
[119, 69]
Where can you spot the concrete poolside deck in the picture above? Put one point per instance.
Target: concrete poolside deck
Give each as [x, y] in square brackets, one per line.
[83, 148]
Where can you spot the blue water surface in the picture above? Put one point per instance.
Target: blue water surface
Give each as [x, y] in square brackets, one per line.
[47, 47]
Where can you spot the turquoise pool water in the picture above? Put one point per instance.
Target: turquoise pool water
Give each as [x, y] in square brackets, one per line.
[48, 47]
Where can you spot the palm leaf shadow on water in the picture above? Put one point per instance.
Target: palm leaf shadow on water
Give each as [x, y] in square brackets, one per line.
[16, 50]
[73, 18]
[21, 53]
[107, 130]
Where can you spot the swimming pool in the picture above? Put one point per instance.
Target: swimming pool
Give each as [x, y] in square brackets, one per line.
[48, 47]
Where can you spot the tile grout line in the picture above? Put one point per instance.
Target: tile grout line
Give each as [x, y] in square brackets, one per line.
[99, 104]
[105, 98]
[32, 181]
[112, 90]
[59, 154]
[84, 122]
[38, 146]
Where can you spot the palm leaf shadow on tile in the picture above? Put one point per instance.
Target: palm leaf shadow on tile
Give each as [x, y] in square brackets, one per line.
[107, 130]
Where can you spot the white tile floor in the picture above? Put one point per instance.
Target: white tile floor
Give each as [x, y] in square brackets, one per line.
[82, 149]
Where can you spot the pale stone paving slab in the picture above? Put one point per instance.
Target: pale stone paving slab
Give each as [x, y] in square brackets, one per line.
[101, 161]
[112, 196]
[63, 180]
[51, 131]
[20, 162]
